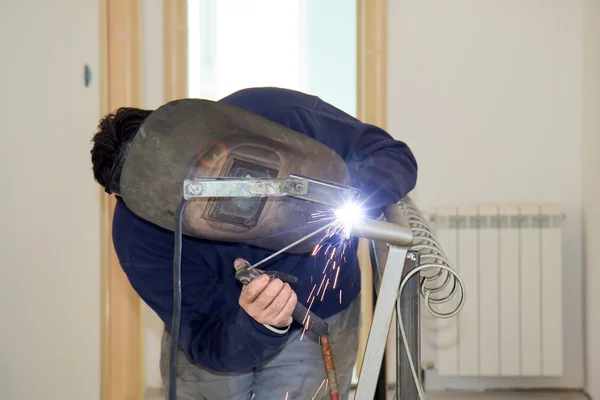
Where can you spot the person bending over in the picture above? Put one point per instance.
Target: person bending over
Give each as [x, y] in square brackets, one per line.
[236, 342]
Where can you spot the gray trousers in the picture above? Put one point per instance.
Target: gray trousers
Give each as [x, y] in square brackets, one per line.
[297, 372]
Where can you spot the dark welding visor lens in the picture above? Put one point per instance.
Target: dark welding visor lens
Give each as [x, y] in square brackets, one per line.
[241, 211]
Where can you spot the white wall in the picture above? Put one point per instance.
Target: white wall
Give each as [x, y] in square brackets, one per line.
[153, 97]
[50, 205]
[489, 97]
[591, 192]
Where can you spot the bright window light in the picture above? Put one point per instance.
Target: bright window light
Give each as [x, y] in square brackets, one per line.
[235, 44]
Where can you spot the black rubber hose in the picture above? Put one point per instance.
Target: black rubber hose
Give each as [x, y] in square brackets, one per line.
[176, 322]
[311, 322]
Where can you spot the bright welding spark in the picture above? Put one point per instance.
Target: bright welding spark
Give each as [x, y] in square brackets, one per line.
[311, 292]
[326, 265]
[308, 312]
[336, 277]
[316, 250]
[321, 286]
[324, 290]
[334, 244]
[340, 296]
[305, 327]
[318, 390]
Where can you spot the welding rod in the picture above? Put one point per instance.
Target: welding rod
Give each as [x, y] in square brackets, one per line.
[286, 248]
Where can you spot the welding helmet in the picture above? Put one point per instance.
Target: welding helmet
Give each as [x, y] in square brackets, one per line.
[195, 138]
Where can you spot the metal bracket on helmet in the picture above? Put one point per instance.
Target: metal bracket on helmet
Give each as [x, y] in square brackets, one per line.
[243, 187]
[295, 186]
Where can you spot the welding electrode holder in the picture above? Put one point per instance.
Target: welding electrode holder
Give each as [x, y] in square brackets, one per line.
[301, 314]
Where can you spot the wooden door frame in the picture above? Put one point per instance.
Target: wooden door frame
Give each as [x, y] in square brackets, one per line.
[122, 314]
[121, 62]
[176, 49]
[123, 370]
[371, 103]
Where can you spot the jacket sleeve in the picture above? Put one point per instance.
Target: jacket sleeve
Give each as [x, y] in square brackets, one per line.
[382, 168]
[221, 338]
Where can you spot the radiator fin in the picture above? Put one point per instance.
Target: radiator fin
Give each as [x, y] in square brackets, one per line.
[510, 259]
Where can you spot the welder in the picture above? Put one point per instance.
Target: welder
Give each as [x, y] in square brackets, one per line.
[240, 342]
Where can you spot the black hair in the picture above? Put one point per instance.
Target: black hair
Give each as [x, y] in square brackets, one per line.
[114, 131]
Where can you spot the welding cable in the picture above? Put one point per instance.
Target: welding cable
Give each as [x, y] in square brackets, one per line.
[176, 322]
[330, 367]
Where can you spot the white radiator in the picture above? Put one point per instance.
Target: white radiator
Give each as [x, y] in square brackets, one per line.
[510, 259]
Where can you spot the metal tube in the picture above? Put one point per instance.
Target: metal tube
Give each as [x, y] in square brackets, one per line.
[407, 308]
[382, 318]
[379, 253]
[389, 232]
[378, 267]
